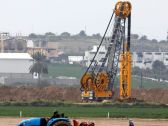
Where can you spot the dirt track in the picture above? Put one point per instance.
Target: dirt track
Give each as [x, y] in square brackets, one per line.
[99, 122]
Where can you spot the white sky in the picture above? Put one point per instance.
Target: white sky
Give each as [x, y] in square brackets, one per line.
[149, 17]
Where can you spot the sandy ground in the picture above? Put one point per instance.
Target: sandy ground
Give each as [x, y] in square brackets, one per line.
[98, 122]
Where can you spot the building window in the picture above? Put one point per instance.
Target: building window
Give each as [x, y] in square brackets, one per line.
[157, 53]
[92, 52]
[140, 54]
[139, 61]
[101, 52]
[148, 53]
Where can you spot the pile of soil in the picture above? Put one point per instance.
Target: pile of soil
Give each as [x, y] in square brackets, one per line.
[152, 95]
[53, 93]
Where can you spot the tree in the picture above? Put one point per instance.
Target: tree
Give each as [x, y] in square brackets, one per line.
[65, 34]
[158, 65]
[136, 71]
[134, 36]
[96, 35]
[144, 37]
[49, 34]
[158, 68]
[40, 65]
[82, 33]
[20, 44]
[163, 41]
[33, 35]
[154, 41]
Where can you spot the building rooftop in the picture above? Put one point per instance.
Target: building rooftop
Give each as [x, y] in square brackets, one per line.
[15, 56]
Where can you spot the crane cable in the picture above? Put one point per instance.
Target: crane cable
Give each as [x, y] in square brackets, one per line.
[100, 43]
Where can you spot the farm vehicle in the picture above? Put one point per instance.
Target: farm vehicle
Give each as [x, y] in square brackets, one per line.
[56, 120]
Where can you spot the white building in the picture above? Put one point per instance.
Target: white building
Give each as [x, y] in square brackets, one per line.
[165, 59]
[30, 44]
[145, 59]
[75, 59]
[15, 62]
[139, 59]
[90, 54]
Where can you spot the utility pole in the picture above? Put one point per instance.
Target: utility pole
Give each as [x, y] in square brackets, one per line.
[3, 36]
[167, 36]
[141, 79]
[2, 44]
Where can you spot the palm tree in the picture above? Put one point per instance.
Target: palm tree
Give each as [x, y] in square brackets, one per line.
[40, 65]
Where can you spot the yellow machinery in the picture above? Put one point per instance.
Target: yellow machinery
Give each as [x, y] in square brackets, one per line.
[97, 82]
[125, 75]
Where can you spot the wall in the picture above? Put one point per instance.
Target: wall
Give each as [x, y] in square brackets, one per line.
[15, 65]
[34, 82]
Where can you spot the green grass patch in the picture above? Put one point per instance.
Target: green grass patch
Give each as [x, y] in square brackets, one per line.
[148, 83]
[74, 70]
[116, 111]
[70, 70]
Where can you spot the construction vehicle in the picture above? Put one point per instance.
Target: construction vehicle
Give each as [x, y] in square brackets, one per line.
[97, 83]
[56, 120]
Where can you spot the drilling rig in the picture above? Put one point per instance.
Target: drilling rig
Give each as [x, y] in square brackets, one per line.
[97, 83]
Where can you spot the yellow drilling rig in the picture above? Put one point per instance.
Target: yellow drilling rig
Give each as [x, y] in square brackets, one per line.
[97, 83]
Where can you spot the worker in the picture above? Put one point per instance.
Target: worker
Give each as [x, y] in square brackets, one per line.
[131, 123]
[58, 115]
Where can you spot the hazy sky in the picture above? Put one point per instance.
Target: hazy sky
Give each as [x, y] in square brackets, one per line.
[149, 17]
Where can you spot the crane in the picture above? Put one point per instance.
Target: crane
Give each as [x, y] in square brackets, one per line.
[97, 83]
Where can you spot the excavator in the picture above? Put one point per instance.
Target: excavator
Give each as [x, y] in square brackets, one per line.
[97, 83]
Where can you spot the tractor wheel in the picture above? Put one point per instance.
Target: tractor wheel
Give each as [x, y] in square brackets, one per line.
[61, 123]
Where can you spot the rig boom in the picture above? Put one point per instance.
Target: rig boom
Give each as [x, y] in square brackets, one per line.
[97, 82]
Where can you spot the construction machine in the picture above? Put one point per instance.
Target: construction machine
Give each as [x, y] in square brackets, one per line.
[97, 83]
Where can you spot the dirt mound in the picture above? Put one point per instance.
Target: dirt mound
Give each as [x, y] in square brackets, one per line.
[152, 95]
[53, 93]
[50, 93]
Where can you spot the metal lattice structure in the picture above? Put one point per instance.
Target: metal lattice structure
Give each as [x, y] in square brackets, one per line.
[98, 80]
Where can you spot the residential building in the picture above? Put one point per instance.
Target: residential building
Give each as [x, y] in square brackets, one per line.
[33, 47]
[145, 59]
[75, 59]
[139, 59]
[90, 54]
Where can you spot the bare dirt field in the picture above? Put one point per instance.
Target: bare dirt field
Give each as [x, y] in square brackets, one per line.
[26, 94]
[9, 121]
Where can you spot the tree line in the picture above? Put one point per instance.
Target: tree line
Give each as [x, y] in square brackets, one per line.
[49, 36]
